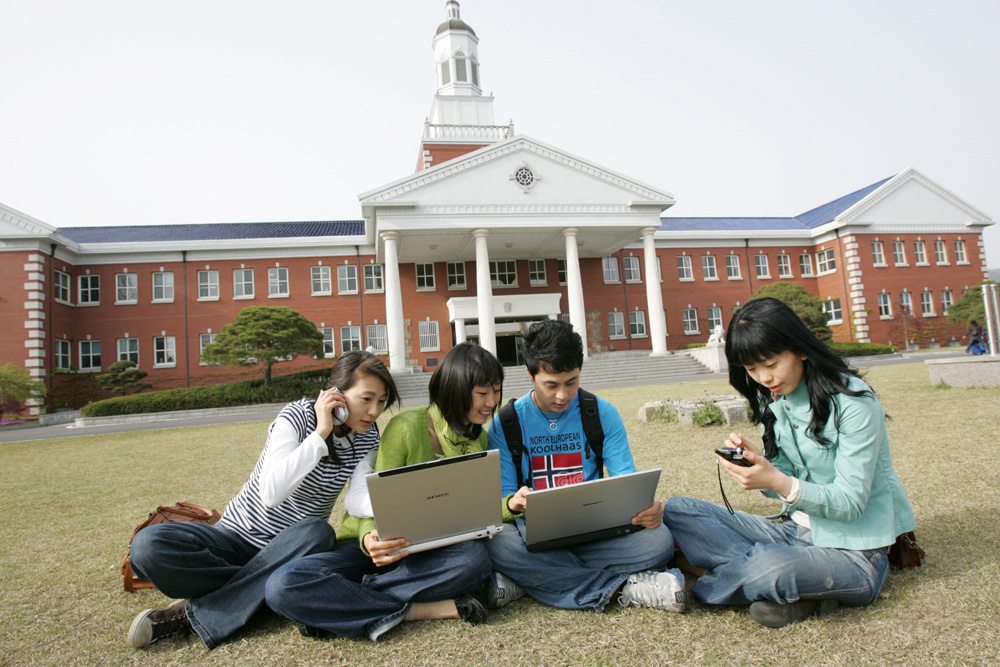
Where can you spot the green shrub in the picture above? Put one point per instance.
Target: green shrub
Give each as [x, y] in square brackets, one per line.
[863, 349]
[666, 413]
[245, 392]
[691, 346]
[708, 415]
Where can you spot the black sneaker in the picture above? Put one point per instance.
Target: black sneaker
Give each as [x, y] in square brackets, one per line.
[153, 625]
[775, 615]
[470, 609]
[310, 631]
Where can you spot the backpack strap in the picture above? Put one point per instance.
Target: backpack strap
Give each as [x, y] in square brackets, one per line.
[512, 434]
[592, 429]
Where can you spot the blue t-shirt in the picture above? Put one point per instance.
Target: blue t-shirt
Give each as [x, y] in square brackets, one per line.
[556, 455]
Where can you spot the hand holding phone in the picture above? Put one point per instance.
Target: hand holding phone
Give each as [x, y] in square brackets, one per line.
[734, 455]
[340, 413]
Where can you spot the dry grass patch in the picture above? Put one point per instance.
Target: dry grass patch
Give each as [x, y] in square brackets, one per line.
[69, 506]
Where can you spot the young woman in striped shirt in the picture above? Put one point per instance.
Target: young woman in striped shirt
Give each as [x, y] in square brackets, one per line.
[280, 514]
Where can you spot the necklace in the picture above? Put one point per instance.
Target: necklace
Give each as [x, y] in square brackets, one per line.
[553, 423]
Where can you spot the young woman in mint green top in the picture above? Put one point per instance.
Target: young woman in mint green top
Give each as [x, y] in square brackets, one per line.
[825, 454]
[368, 586]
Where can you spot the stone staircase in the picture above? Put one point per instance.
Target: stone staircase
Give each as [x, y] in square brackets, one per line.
[608, 369]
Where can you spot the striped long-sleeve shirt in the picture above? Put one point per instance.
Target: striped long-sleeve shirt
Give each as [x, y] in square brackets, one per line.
[292, 481]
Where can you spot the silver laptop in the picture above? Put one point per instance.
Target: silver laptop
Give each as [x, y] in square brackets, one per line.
[587, 511]
[440, 502]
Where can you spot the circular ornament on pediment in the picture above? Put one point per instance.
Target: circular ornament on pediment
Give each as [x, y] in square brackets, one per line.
[524, 177]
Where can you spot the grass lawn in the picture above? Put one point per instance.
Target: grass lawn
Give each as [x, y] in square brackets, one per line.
[69, 507]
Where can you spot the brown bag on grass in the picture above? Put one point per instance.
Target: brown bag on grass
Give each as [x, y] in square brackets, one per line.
[906, 552]
[182, 511]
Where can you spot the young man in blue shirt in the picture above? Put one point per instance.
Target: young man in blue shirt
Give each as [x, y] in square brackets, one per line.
[629, 567]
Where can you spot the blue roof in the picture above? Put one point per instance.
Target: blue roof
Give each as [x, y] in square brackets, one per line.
[811, 219]
[213, 232]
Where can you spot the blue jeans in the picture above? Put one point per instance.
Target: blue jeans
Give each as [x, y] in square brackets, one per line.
[220, 574]
[583, 576]
[343, 592]
[751, 558]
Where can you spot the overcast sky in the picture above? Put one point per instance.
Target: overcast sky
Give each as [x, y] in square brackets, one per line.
[192, 111]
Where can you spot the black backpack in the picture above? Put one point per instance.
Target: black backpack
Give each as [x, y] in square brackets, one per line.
[593, 432]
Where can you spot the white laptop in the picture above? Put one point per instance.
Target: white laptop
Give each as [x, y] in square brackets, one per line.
[440, 502]
[587, 511]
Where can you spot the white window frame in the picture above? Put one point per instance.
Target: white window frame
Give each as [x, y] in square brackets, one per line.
[637, 323]
[163, 286]
[631, 270]
[806, 264]
[960, 256]
[690, 319]
[906, 302]
[714, 317]
[878, 254]
[609, 266]
[561, 271]
[164, 351]
[277, 282]
[128, 349]
[377, 336]
[88, 358]
[684, 271]
[947, 299]
[885, 306]
[784, 266]
[347, 279]
[927, 304]
[537, 276]
[733, 267]
[761, 267]
[242, 287]
[320, 280]
[899, 253]
[208, 285]
[373, 279]
[940, 253]
[616, 325]
[833, 311]
[708, 268]
[126, 289]
[89, 294]
[63, 354]
[503, 273]
[425, 276]
[329, 342]
[350, 338]
[430, 339]
[204, 340]
[61, 287]
[920, 253]
[826, 262]
[456, 275]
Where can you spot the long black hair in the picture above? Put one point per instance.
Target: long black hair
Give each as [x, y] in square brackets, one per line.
[465, 367]
[764, 328]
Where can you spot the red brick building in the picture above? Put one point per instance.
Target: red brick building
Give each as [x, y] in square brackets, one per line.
[493, 231]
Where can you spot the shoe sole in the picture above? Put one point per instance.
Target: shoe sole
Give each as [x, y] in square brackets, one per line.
[140, 634]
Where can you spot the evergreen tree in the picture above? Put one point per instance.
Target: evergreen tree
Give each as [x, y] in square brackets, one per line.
[264, 335]
[805, 305]
[123, 377]
[16, 387]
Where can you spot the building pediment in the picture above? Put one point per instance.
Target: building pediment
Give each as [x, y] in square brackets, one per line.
[14, 224]
[910, 202]
[525, 193]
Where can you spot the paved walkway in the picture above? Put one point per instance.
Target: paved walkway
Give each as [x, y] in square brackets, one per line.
[267, 413]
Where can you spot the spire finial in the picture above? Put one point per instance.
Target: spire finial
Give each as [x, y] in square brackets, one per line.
[452, 8]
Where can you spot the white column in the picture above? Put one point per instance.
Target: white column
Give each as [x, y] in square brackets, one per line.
[459, 331]
[394, 305]
[574, 286]
[654, 295]
[484, 293]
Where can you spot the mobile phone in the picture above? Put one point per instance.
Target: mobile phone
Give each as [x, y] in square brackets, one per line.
[734, 455]
[339, 413]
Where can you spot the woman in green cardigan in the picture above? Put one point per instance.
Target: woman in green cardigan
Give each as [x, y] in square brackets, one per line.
[368, 586]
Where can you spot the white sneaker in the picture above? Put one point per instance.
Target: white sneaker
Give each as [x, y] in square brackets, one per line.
[501, 590]
[656, 590]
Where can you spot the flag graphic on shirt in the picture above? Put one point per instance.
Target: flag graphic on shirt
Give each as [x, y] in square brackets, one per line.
[554, 470]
